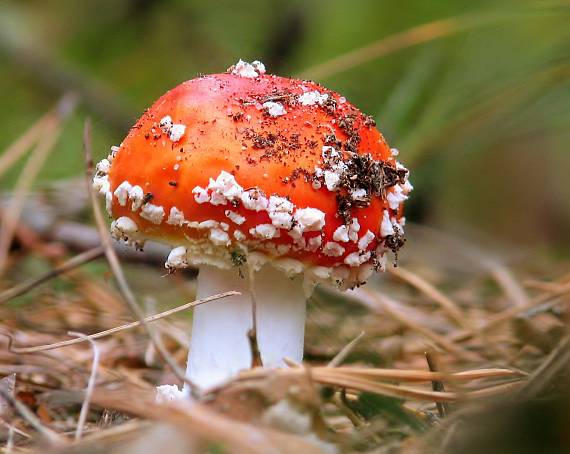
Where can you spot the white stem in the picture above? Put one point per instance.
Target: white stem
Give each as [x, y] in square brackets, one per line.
[280, 313]
[219, 345]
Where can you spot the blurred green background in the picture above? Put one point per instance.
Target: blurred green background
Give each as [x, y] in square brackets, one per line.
[477, 100]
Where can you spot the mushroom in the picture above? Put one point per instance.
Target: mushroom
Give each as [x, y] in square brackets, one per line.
[268, 185]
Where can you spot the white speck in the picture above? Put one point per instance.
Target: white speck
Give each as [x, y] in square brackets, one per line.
[341, 100]
[121, 229]
[248, 70]
[386, 227]
[126, 225]
[341, 234]
[356, 258]
[122, 192]
[332, 180]
[176, 166]
[314, 243]
[224, 188]
[280, 212]
[353, 229]
[407, 187]
[298, 239]
[177, 258]
[274, 109]
[175, 217]
[359, 194]
[165, 124]
[309, 219]
[311, 98]
[103, 167]
[101, 184]
[395, 197]
[177, 132]
[209, 224]
[239, 235]
[333, 249]
[365, 240]
[152, 213]
[259, 67]
[168, 393]
[136, 194]
[254, 200]
[328, 152]
[200, 195]
[219, 237]
[394, 151]
[264, 231]
[235, 217]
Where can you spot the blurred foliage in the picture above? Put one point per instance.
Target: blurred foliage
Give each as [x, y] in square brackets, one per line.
[480, 114]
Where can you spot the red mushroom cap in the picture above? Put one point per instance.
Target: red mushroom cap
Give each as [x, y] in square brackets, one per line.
[245, 165]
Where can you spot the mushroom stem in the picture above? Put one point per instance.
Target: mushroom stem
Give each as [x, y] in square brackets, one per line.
[219, 346]
[280, 314]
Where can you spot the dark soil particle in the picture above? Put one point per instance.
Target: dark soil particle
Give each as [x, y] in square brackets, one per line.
[346, 124]
[331, 140]
[344, 207]
[369, 121]
[330, 105]
[395, 243]
[147, 198]
[284, 97]
[363, 172]
[238, 258]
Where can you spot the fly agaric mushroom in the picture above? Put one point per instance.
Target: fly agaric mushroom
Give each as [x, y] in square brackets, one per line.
[268, 185]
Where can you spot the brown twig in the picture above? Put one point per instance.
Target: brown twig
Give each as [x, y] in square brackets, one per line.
[71, 264]
[437, 385]
[341, 355]
[449, 306]
[342, 377]
[116, 329]
[558, 359]
[90, 384]
[391, 308]
[510, 313]
[503, 276]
